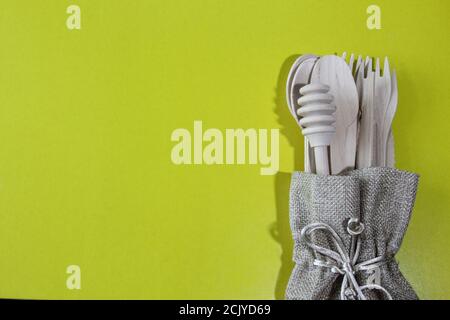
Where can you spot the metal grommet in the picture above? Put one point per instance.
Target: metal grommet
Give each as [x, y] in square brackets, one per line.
[354, 227]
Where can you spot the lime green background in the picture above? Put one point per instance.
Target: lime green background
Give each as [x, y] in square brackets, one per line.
[85, 124]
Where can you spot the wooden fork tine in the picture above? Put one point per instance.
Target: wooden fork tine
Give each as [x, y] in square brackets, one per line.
[358, 62]
[368, 66]
[351, 62]
[386, 69]
[377, 68]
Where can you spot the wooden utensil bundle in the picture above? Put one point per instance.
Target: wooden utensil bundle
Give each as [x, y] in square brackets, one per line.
[364, 100]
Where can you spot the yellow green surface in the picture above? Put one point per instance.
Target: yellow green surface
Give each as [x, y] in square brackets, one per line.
[85, 122]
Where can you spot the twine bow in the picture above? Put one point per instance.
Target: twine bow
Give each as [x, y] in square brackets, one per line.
[343, 262]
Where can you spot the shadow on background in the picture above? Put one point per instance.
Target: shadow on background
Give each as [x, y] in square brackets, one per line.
[280, 229]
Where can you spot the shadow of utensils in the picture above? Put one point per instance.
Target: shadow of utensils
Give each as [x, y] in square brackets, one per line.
[280, 229]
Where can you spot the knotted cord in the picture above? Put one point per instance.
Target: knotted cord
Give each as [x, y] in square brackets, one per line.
[343, 262]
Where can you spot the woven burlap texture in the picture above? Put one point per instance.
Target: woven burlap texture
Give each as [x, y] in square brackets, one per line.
[382, 198]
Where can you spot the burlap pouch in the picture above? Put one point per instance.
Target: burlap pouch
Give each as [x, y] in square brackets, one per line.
[347, 230]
